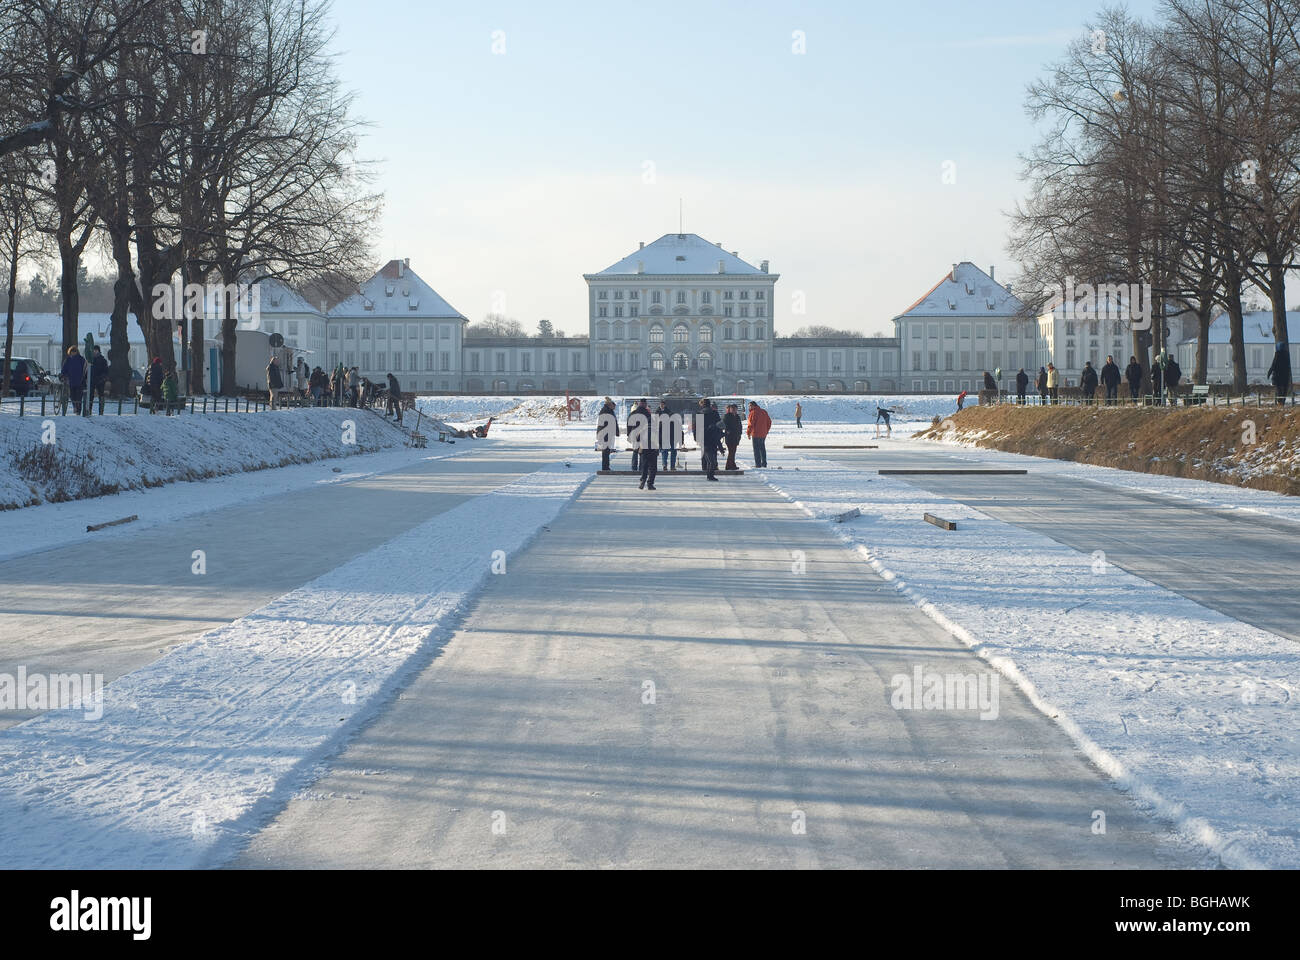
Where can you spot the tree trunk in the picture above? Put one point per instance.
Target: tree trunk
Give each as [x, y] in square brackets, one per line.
[125, 296]
[70, 263]
[229, 321]
[15, 235]
[1277, 294]
[1204, 314]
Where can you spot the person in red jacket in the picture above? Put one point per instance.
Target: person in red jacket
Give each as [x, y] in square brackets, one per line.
[756, 429]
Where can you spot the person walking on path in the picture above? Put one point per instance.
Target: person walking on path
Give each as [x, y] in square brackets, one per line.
[757, 430]
[1280, 372]
[1041, 385]
[710, 436]
[170, 388]
[73, 374]
[1022, 385]
[731, 434]
[154, 382]
[1110, 380]
[394, 398]
[1088, 382]
[98, 381]
[1133, 374]
[1173, 374]
[1053, 383]
[640, 432]
[798, 415]
[274, 379]
[666, 439]
[606, 431]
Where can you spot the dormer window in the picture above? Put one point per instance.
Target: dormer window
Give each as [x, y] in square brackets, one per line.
[389, 289]
[952, 304]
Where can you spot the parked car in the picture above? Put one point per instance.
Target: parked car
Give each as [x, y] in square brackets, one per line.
[38, 379]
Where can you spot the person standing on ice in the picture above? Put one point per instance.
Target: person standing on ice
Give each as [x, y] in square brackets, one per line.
[731, 434]
[1022, 385]
[640, 432]
[636, 454]
[760, 424]
[883, 415]
[74, 375]
[1041, 385]
[394, 398]
[709, 435]
[606, 431]
[798, 415]
[1133, 374]
[1053, 383]
[667, 436]
[1088, 382]
[1280, 372]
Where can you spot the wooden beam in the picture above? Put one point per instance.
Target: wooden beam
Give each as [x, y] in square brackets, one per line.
[940, 522]
[112, 523]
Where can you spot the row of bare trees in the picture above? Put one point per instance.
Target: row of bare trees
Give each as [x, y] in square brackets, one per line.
[1171, 156]
[201, 141]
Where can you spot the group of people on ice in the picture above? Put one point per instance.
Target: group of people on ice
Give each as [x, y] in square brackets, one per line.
[656, 435]
[343, 388]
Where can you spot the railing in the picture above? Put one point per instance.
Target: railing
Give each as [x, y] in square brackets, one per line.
[1076, 399]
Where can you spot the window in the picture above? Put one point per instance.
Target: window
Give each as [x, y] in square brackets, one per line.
[934, 331]
[760, 361]
[602, 331]
[577, 362]
[947, 360]
[728, 294]
[965, 360]
[744, 327]
[979, 360]
[618, 359]
[656, 334]
[726, 311]
[381, 360]
[760, 294]
[811, 359]
[680, 361]
[414, 359]
[934, 360]
[981, 331]
[634, 295]
[681, 296]
[837, 362]
[602, 311]
[681, 334]
[654, 296]
[428, 331]
[706, 297]
[602, 294]
[634, 310]
[916, 359]
[550, 362]
[706, 333]
[473, 362]
[350, 359]
[602, 361]
[334, 333]
[348, 333]
[397, 361]
[428, 361]
[916, 331]
[365, 360]
[744, 360]
[381, 332]
[501, 363]
[634, 331]
[444, 332]
[293, 329]
[618, 331]
[760, 311]
[618, 312]
[744, 312]
[618, 294]
[525, 362]
[706, 360]
[656, 361]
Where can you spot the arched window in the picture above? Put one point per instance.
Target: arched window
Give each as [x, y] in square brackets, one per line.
[618, 331]
[602, 331]
[706, 333]
[656, 361]
[680, 361]
[706, 360]
[760, 332]
[727, 332]
[656, 334]
[681, 334]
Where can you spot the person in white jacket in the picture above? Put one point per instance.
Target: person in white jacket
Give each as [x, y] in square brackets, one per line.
[1053, 382]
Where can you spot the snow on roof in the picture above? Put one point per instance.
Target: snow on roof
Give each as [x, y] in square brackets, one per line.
[396, 291]
[1256, 327]
[680, 253]
[51, 325]
[966, 290]
[278, 297]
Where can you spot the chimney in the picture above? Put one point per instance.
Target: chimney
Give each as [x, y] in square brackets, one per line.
[719, 244]
[991, 276]
[640, 266]
[954, 273]
[722, 266]
[763, 266]
[642, 247]
[734, 253]
[400, 268]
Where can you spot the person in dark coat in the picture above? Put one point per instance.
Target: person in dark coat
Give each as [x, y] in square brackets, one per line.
[1022, 385]
[74, 375]
[606, 431]
[394, 398]
[1133, 374]
[153, 383]
[710, 437]
[641, 434]
[636, 454]
[1173, 373]
[989, 382]
[20, 380]
[98, 381]
[1110, 379]
[1279, 372]
[274, 379]
[1041, 384]
[731, 434]
[1088, 382]
[666, 438]
[1157, 383]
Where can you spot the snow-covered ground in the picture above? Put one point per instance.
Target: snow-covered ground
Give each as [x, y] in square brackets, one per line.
[192, 749]
[98, 454]
[1192, 711]
[843, 409]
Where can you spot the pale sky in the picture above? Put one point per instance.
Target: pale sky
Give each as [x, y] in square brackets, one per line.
[523, 144]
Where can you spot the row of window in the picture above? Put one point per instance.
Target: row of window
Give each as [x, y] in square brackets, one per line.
[706, 296]
[632, 310]
[631, 361]
[550, 361]
[952, 330]
[385, 362]
[349, 332]
[951, 360]
[681, 333]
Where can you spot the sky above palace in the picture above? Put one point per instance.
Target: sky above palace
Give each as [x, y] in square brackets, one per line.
[522, 144]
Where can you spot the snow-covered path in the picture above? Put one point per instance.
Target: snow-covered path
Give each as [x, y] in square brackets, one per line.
[701, 677]
[110, 606]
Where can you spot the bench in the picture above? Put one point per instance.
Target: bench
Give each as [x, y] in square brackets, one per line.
[1200, 394]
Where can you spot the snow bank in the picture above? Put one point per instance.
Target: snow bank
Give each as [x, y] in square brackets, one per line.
[93, 456]
[1188, 709]
[847, 408]
[197, 749]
